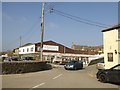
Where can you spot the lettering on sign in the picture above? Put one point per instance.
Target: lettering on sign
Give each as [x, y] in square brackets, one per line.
[50, 47]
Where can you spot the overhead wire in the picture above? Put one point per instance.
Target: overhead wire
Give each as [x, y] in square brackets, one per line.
[29, 33]
[78, 19]
[72, 17]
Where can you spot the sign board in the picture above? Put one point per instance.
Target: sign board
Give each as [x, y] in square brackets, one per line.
[50, 47]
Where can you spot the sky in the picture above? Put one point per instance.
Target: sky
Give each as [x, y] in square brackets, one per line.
[23, 19]
[0, 26]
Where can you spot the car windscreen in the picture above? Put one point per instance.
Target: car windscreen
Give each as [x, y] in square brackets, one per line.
[102, 61]
[72, 62]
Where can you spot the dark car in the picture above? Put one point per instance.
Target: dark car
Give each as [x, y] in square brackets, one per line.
[74, 65]
[109, 75]
[27, 58]
[11, 59]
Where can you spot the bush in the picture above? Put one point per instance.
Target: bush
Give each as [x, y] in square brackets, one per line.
[23, 67]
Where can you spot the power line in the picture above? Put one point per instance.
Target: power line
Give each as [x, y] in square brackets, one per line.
[78, 19]
[28, 33]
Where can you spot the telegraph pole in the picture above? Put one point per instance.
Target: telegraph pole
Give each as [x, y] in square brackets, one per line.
[20, 40]
[20, 46]
[42, 32]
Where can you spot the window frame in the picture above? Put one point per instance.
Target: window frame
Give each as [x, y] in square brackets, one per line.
[118, 34]
[110, 57]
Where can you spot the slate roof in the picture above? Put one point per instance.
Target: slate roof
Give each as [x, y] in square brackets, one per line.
[112, 28]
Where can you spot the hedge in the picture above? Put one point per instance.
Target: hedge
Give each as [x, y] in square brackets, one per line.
[23, 67]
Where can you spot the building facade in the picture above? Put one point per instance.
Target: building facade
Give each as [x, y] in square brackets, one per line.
[52, 51]
[111, 46]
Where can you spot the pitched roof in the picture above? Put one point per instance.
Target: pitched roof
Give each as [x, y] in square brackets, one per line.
[27, 44]
[112, 28]
[50, 42]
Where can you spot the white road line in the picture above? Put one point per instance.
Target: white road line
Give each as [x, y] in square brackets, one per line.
[57, 76]
[90, 75]
[37, 86]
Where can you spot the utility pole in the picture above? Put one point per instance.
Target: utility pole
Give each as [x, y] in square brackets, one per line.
[42, 32]
[20, 40]
[19, 47]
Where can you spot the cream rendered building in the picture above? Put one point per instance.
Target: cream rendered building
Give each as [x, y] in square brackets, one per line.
[111, 38]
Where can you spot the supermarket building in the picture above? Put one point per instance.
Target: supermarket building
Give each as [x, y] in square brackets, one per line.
[52, 51]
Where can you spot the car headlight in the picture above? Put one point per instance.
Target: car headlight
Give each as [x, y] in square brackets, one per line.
[71, 66]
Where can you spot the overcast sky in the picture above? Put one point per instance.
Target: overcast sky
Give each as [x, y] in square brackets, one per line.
[23, 19]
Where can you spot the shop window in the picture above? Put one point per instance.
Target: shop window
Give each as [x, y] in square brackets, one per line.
[110, 57]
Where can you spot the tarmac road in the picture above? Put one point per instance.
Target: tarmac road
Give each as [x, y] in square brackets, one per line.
[56, 78]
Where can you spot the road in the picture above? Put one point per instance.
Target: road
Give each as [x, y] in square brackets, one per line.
[56, 78]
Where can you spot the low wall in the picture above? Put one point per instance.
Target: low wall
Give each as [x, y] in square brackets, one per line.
[23, 67]
[95, 61]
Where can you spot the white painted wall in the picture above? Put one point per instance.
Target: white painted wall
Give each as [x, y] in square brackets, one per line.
[25, 49]
[110, 45]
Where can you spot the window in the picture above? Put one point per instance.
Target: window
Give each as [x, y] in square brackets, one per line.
[27, 49]
[38, 49]
[110, 57]
[119, 55]
[119, 34]
[32, 49]
[117, 68]
[23, 50]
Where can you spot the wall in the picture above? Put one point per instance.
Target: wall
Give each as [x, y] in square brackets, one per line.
[110, 45]
[119, 50]
[25, 49]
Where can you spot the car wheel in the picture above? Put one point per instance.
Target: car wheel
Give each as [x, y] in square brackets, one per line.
[66, 69]
[75, 68]
[102, 78]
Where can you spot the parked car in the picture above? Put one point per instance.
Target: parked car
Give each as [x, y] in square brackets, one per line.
[27, 58]
[11, 59]
[7, 59]
[100, 65]
[109, 75]
[74, 65]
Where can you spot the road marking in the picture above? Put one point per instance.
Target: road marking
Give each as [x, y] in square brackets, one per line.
[37, 86]
[90, 75]
[57, 76]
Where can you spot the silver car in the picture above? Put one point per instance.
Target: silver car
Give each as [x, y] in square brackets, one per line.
[100, 65]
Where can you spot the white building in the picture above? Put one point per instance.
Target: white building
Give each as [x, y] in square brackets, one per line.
[51, 50]
[111, 46]
[28, 49]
